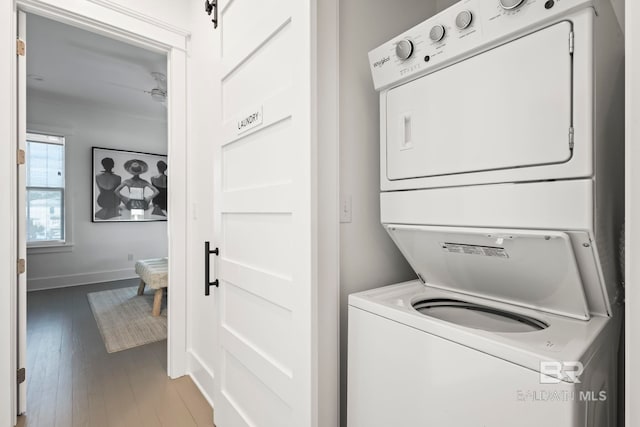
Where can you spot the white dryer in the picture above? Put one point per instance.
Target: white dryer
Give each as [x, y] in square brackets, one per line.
[502, 185]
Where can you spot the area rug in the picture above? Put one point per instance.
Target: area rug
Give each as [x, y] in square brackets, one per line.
[125, 319]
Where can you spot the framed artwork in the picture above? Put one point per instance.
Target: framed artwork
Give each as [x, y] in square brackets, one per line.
[128, 186]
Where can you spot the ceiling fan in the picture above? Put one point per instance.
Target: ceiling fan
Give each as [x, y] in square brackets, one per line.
[158, 93]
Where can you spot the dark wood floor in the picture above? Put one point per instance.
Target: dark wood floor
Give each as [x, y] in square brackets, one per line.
[73, 381]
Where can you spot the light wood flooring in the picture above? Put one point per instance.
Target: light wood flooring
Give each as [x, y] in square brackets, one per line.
[73, 381]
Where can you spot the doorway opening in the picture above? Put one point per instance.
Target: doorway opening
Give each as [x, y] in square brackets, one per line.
[94, 212]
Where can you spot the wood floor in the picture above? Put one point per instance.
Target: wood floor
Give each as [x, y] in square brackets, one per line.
[73, 381]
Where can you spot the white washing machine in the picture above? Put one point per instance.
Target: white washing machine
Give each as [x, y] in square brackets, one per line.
[502, 185]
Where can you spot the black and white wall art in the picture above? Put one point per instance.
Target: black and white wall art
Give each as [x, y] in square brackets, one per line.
[129, 186]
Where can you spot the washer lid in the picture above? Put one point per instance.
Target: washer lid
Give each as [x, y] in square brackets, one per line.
[476, 316]
[534, 269]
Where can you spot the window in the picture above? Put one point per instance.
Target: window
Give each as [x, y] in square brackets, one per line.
[45, 189]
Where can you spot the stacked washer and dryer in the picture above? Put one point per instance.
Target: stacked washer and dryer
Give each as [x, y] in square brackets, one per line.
[502, 185]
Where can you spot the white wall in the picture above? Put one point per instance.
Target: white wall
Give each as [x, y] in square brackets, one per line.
[100, 250]
[368, 257]
[632, 238]
[177, 14]
[443, 4]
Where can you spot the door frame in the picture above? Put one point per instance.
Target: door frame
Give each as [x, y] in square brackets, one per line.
[632, 200]
[110, 19]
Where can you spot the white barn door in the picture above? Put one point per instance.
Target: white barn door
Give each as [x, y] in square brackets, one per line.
[264, 203]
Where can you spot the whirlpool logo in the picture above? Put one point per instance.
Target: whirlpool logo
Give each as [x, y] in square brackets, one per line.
[381, 62]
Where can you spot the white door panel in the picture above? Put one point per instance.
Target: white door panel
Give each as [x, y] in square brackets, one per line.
[263, 216]
[260, 240]
[258, 283]
[244, 164]
[461, 119]
[270, 335]
[22, 214]
[254, 402]
[237, 43]
[266, 72]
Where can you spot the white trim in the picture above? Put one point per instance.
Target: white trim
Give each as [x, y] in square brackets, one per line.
[108, 22]
[201, 375]
[8, 215]
[632, 214]
[45, 137]
[49, 248]
[141, 16]
[327, 378]
[114, 24]
[178, 219]
[78, 279]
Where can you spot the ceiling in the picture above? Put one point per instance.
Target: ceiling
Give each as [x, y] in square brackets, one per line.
[64, 60]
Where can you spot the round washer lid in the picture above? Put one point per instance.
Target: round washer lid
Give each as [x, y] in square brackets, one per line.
[534, 269]
[477, 316]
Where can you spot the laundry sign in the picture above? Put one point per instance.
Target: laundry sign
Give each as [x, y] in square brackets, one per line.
[250, 120]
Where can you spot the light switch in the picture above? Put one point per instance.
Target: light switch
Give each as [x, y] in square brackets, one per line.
[345, 209]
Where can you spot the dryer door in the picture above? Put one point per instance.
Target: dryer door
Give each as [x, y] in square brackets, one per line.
[506, 108]
[534, 269]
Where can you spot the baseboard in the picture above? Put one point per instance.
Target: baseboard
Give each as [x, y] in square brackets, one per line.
[201, 375]
[54, 282]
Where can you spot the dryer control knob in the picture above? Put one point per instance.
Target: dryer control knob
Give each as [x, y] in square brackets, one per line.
[511, 4]
[463, 20]
[437, 33]
[404, 49]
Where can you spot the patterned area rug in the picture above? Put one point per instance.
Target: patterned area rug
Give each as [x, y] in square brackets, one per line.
[125, 319]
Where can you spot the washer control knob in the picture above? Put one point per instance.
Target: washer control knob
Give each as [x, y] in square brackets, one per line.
[404, 49]
[463, 20]
[437, 33]
[511, 4]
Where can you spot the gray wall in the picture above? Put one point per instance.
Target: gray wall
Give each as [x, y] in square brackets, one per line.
[618, 7]
[368, 258]
[100, 251]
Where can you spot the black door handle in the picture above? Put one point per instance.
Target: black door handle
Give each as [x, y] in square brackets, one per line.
[212, 6]
[207, 268]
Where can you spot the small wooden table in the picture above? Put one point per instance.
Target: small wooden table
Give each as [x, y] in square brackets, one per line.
[153, 273]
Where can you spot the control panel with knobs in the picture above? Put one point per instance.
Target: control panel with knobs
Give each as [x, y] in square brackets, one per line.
[511, 4]
[437, 33]
[467, 26]
[404, 49]
[464, 19]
